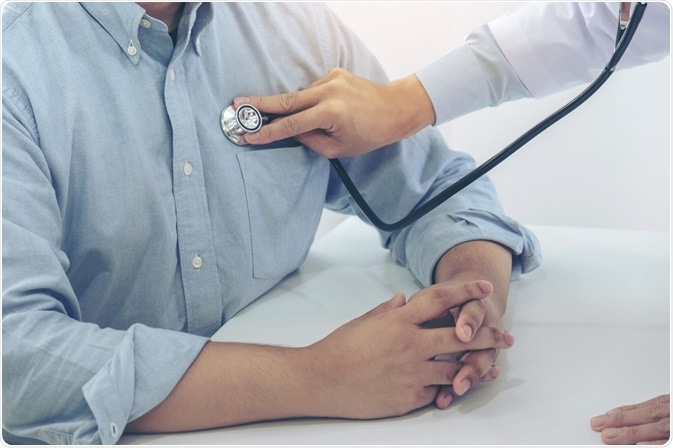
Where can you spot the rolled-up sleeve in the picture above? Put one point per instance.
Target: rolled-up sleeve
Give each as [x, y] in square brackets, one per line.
[474, 213]
[400, 177]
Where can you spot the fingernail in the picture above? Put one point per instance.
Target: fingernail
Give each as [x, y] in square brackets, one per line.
[449, 398]
[252, 137]
[465, 386]
[598, 422]
[611, 433]
[468, 332]
[241, 100]
[485, 287]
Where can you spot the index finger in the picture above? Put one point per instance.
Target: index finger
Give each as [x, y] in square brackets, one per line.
[435, 300]
[284, 103]
[637, 414]
[288, 127]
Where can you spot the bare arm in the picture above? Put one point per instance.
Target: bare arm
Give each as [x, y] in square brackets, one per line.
[378, 365]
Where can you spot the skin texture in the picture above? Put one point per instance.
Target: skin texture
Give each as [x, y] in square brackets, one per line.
[344, 115]
[646, 423]
[378, 365]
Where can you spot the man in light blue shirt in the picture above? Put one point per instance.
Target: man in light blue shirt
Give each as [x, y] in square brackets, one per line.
[133, 229]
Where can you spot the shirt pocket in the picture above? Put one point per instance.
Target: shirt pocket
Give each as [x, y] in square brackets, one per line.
[285, 192]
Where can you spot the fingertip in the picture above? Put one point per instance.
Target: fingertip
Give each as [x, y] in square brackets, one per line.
[399, 297]
[240, 100]
[486, 287]
[598, 423]
[509, 338]
[444, 399]
[466, 333]
[252, 137]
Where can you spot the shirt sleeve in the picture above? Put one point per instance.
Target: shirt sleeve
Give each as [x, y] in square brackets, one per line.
[398, 178]
[536, 50]
[471, 77]
[557, 45]
[66, 381]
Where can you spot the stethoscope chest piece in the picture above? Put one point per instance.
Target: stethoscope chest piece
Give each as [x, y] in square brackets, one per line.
[236, 123]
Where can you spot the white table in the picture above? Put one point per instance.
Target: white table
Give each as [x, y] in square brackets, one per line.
[592, 329]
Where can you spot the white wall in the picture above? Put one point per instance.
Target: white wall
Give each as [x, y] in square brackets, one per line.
[607, 165]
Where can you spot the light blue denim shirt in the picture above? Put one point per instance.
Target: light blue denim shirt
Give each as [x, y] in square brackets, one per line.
[133, 229]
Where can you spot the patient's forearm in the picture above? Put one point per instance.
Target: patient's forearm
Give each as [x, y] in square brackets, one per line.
[482, 260]
[230, 384]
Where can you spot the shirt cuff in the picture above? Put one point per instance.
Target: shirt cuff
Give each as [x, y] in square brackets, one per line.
[443, 232]
[143, 371]
[473, 76]
[455, 83]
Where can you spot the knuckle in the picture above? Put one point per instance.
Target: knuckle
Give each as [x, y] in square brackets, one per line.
[471, 289]
[286, 101]
[439, 339]
[663, 426]
[290, 125]
[655, 412]
[632, 433]
[497, 336]
[616, 417]
[338, 110]
[663, 400]
[442, 295]
[336, 73]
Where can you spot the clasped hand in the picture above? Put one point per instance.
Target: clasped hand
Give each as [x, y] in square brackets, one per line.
[385, 362]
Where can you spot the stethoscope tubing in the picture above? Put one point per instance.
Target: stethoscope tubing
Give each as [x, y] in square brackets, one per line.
[623, 39]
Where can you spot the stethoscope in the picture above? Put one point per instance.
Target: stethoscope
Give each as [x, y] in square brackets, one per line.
[245, 119]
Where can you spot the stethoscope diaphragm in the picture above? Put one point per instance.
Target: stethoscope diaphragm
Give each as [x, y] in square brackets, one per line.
[235, 123]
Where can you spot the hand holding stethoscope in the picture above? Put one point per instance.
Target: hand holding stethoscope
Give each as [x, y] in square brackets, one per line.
[344, 115]
[334, 118]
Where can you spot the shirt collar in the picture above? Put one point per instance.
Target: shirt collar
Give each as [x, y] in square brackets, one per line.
[122, 19]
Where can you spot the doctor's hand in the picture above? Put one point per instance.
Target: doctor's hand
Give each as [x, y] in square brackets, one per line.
[383, 363]
[344, 115]
[646, 423]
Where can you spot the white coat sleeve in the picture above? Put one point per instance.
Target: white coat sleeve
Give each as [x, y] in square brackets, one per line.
[557, 45]
[535, 50]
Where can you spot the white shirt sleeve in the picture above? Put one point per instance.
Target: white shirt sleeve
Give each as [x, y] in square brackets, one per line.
[554, 46]
[538, 49]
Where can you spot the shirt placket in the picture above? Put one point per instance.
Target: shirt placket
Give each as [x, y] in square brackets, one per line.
[195, 238]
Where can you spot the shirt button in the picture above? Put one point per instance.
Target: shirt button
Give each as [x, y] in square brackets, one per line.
[197, 262]
[131, 49]
[145, 23]
[187, 169]
[171, 75]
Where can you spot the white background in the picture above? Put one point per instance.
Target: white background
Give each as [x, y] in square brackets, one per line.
[607, 165]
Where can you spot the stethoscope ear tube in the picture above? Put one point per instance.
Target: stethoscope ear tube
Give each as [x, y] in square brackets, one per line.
[623, 40]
